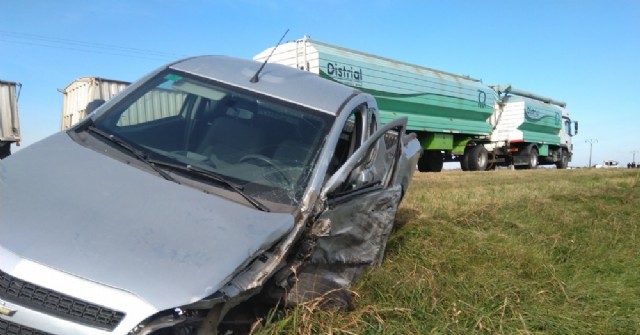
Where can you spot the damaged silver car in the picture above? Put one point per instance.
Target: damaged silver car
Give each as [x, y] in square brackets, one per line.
[201, 191]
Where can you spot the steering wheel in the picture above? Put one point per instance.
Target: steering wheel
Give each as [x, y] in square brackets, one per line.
[266, 161]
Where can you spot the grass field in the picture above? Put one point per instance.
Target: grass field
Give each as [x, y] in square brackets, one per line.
[503, 252]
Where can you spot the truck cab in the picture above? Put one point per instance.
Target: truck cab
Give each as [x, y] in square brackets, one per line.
[569, 129]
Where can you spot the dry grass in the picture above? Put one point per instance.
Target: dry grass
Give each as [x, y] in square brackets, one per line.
[501, 252]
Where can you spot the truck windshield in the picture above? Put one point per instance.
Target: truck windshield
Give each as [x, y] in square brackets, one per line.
[265, 146]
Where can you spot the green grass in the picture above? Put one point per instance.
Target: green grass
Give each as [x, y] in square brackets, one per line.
[503, 252]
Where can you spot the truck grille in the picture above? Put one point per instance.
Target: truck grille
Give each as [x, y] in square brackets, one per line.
[54, 303]
[10, 328]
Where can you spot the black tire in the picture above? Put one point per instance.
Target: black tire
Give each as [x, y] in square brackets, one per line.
[464, 162]
[478, 158]
[430, 161]
[564, 160]
[533, 159]
[491, 167]
[422, 162]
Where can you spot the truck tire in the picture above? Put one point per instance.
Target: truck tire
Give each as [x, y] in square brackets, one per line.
[464, 162]
[422, 162]
[564, 160]
[478, 158]
[430, 161]
[533, 159]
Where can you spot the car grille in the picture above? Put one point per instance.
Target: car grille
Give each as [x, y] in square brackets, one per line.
[54, 303]
[10, 328]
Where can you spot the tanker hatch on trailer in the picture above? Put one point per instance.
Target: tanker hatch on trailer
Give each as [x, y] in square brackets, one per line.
[9, 122]
[451, 114]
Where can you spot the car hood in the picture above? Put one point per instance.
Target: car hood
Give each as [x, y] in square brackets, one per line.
[76, 210]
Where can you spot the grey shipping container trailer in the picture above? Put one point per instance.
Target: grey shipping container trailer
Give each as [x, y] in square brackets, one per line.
[9, 122]
[80, 92]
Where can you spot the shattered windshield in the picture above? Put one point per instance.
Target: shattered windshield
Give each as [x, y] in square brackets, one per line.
[264, 146]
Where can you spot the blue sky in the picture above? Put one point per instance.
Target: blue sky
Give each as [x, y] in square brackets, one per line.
[583, 52]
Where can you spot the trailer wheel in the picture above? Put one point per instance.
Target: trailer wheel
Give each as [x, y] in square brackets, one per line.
[431, 161]
[533, 159]
[422, 162]
[464, 162]
[564, 160]
[478, 158]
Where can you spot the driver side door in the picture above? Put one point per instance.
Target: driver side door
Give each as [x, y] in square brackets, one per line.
[359, 204]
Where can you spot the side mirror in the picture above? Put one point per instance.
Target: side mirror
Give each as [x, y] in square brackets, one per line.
[575, 126]
[360, 177]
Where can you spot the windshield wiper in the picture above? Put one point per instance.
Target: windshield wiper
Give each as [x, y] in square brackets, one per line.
[136, 153]
[215, 177]
[153, 163]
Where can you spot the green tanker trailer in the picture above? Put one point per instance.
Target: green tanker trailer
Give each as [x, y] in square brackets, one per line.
[454, 116]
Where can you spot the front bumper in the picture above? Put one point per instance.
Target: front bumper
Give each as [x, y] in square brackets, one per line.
[48, 301]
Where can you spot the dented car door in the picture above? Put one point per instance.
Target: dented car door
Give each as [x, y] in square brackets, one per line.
[356, 207]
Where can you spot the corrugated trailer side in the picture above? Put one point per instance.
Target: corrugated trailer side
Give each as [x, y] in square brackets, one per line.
[9, 120]
[87, 89]
[158, 105]
[82, 91]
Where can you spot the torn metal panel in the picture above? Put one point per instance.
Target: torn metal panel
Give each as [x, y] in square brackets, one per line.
[359, 228]
[349, 238]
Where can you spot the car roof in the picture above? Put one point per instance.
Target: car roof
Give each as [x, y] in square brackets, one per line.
[297, 86]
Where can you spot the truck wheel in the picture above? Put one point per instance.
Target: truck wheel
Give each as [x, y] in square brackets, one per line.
[430, 161]
[533, 159]
[464, 162]
[422, 162]
[478, 158]
[564, 160]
